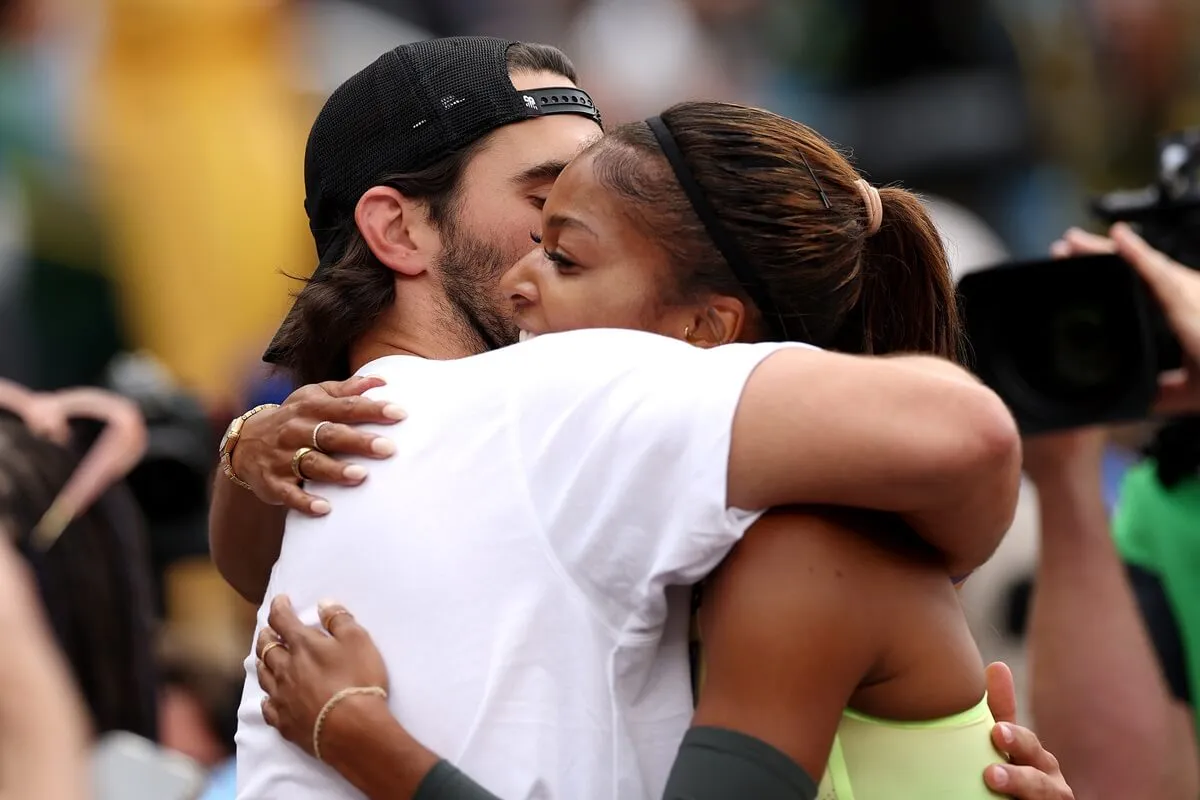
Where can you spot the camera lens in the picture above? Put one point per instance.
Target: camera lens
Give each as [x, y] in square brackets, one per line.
[1075, 351]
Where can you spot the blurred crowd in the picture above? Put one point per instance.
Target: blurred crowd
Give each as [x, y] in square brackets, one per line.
[151, 221]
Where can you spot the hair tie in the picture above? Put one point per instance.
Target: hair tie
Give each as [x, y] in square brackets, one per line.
[874, 204]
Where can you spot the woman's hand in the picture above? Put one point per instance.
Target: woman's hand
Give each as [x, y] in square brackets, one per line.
[1032, 773]
[301, 668]
[270, 439]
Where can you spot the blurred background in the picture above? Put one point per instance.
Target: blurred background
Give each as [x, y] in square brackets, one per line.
[151, 197]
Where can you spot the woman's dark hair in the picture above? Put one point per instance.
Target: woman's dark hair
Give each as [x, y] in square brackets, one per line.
[94, 582]
[340, 305]
[844, 289]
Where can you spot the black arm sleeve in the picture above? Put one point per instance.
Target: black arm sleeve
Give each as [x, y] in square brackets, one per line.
[720, 764]
[1163, 628]
[446, 782]
[713, 764]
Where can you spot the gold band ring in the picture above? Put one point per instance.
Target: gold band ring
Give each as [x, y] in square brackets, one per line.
[267, 649]
[329, 620]
[315, 444]
[296, 459]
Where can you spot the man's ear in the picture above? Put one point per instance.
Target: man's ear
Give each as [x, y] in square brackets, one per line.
[397, 230]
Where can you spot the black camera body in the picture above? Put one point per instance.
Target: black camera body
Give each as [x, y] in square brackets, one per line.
[1081, 341]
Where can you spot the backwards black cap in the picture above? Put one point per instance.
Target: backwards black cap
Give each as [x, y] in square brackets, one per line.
[410, 108]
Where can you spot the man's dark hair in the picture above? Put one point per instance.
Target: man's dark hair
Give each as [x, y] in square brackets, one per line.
[343, 302]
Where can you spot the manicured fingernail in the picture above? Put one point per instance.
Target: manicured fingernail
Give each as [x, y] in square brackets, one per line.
[999, 777]
[326, 603]
[393, 411]
[1006, 733]
[319, 507]
[354, 472]
[375, 378]
[383, 447]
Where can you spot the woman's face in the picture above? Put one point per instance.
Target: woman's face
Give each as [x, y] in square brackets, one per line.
[593, 268]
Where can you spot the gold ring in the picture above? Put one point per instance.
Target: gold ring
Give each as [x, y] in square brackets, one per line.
[267, 649]
[296, 459]
[329, 620]
[315, 444]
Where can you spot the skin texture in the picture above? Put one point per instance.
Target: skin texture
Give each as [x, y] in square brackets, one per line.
[593, 270]
[43, 732]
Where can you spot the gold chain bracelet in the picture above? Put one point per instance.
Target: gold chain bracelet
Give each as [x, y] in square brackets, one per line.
[377, 691]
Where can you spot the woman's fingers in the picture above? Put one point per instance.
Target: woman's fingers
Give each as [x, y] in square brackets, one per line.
[1001, 692]
[266, 678]
[318, 405]
[1023, 747]
[283, 620]
[336, 619]
[291, 495]
[321, 468]
[341, 439]
[270, 714]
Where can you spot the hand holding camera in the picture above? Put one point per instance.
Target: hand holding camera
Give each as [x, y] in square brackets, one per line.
[1177, 291]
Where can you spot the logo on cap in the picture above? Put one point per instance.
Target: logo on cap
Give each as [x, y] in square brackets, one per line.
[530, 102]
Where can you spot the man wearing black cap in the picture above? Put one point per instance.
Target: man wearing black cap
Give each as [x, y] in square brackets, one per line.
[424, 134]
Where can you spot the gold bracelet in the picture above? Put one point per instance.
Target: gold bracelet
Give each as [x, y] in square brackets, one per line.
[227, 457]
[377, 691]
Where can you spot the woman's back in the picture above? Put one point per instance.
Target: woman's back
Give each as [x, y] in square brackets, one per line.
[828, 610]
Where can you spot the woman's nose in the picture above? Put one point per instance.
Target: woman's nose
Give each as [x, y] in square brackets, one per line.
[519, 284]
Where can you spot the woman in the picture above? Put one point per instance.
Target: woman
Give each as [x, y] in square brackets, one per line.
[802, 249]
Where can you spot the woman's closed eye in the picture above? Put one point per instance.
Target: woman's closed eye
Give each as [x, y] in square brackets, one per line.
[560, 261]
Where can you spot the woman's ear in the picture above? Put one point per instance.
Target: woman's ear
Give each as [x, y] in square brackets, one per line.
[719, 321]
[396, 229]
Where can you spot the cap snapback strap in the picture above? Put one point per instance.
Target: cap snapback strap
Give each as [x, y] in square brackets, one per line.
[559, 100]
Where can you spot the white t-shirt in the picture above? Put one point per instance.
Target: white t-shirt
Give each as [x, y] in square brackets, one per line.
[522, 560]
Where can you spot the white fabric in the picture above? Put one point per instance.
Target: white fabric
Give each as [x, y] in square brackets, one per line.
[512, 561]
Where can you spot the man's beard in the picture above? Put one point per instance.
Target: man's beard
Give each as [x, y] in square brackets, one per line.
[471, 270]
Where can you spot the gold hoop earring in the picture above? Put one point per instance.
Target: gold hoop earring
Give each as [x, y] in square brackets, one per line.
[687, 333]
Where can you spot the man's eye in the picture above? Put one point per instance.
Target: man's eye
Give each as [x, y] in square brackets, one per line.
[535, 237]
[538, 202]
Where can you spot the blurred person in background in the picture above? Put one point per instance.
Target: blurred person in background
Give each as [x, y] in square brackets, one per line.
[190, 125]
[928, 92]
[200, 689]
[59, 323]
[1115, 625]
[44, 736]
[82, 536]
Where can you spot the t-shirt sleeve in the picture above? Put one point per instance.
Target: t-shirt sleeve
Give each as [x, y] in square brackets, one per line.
[625, 446]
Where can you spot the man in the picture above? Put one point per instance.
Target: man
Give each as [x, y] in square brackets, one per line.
[1122, 593]
[401, 273]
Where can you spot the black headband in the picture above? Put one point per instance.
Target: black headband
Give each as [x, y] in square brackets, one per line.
[733, 254]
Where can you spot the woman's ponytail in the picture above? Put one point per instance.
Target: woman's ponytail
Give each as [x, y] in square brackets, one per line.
[907, 301]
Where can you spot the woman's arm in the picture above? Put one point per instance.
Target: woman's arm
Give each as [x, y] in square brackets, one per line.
[796, 612]
[912, 435]
[787, 637]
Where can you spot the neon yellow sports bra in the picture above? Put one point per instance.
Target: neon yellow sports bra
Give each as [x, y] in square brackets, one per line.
[942, 759]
